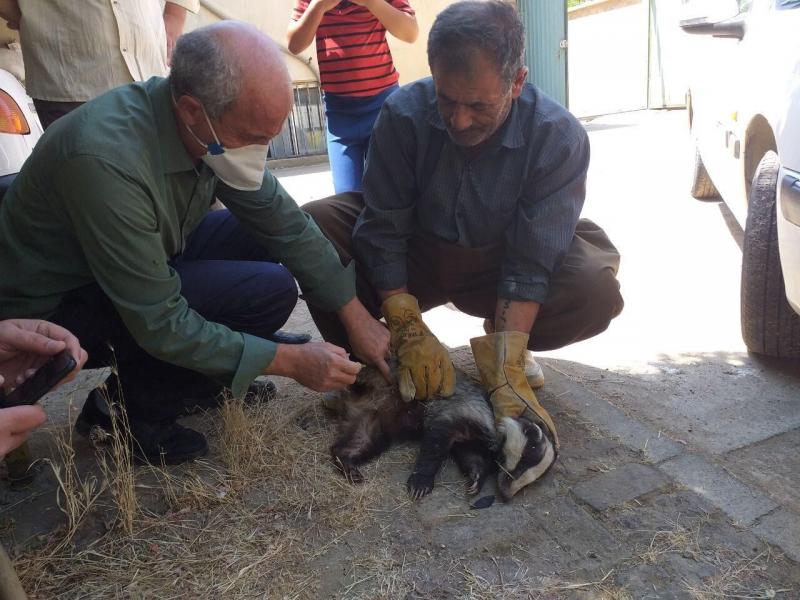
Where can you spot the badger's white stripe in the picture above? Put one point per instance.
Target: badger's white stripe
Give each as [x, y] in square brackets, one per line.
[536, 471]
[514, 444]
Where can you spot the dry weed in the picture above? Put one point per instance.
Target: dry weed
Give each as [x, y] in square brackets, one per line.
[739, 578]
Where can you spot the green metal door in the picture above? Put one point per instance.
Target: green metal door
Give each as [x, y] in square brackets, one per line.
[546, 45]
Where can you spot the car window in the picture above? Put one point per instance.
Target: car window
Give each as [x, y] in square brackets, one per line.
[787, 4]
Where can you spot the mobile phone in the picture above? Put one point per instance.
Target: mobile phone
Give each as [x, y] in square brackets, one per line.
[41, 382]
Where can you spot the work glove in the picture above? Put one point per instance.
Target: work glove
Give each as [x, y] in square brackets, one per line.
[528, 434]
[424, 366]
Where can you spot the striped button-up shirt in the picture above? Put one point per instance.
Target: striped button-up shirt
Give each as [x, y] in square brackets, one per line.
[524, 190]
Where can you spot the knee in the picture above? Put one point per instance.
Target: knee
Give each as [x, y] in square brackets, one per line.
[272, 295]
[603, 293]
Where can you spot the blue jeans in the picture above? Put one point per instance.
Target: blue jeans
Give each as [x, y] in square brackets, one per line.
[350, 120]
[225, 276]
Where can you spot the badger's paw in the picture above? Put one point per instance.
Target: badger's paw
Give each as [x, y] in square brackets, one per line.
[349, 470]
[526, 455]
[419, 485]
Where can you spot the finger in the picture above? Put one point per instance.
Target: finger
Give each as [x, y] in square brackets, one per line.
[22, 419]
[448, 378]
[384, 370]
[35, 343]
[336, 349]
[408, 390]
[346, 365]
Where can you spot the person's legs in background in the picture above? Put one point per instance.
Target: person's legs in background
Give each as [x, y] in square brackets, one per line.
[350, 120]
[49, 111]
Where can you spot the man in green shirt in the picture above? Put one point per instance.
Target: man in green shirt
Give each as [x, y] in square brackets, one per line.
[107, 231]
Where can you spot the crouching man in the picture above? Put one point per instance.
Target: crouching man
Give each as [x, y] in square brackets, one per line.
[107, 232]
[473, 189]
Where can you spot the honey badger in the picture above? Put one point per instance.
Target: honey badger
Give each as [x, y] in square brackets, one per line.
[373, 416]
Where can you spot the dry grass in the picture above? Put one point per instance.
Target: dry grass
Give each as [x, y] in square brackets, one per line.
[253, 524]
[738, 577]
[678, 537]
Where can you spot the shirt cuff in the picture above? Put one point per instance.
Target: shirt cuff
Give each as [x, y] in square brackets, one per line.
[256, 356]
[336, 291]
[390, 276]
[523, 291]
[193, 6]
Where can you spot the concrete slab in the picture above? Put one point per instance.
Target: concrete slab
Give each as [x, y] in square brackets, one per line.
[633, 433]
[782, 529]
[772, 465]
[741, 503]
[619, 486]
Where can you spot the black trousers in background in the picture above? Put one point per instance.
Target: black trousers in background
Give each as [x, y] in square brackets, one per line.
[584, 292]
[48, 110]
[225, 276]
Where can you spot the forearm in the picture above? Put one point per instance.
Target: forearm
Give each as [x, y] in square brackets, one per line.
[401, 25]
[515, 315]
[9, 11]
[301, 32]
[174, 15]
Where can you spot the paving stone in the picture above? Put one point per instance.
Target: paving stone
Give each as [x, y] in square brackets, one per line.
[609, 418]
[619, 486]
[782, 529]
[741, 503]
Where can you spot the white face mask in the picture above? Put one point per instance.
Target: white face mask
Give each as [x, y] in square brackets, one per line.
[241, 168]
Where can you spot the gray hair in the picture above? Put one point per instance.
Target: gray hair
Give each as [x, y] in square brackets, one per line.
[201, 68]
[493, 27]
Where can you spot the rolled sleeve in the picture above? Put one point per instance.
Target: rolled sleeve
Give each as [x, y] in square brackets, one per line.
[257, 354]
[382, 231]
[193, 6]
[292, 238]
[542, 231]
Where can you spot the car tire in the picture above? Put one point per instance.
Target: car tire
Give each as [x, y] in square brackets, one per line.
[702, 186]
[769, 325]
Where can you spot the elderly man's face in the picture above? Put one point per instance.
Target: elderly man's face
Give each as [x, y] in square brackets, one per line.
[474, 101]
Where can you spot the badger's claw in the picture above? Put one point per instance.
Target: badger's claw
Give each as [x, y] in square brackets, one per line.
[527, 454]
[350, 471]
[419, 485]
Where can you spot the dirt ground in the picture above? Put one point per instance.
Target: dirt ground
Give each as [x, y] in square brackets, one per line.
[677, 478]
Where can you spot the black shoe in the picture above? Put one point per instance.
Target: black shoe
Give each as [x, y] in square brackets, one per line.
[155, 442]
[284, 337]
[259, 392]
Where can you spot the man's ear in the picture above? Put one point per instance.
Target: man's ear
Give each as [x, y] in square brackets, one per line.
[519, 81]
[189, 110]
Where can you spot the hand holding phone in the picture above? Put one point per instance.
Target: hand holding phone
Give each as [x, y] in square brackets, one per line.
[45, 379]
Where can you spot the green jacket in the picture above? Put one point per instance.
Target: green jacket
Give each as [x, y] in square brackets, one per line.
[110, 195]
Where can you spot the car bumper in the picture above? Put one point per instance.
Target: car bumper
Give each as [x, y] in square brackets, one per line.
[789, 233]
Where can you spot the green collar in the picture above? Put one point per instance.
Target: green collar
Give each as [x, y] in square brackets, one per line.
[174, 156]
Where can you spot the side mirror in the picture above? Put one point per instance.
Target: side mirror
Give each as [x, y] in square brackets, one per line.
[729, 28]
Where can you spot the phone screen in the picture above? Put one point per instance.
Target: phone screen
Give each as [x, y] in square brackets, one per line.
[44, 380]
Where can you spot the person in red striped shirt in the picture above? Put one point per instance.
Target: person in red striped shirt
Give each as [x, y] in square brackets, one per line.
[356, 70]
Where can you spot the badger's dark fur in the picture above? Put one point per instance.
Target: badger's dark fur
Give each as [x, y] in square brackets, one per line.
[373, 416]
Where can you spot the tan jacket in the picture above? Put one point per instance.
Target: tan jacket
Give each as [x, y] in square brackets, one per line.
[74, 50]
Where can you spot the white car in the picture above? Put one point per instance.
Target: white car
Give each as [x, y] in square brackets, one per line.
[744, 113]
[19, 128]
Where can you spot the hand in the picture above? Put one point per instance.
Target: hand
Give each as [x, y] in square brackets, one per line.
[369, 338]
[425, 369]
[16, 424]
[325, 5]
[26, 344]
[317, 365]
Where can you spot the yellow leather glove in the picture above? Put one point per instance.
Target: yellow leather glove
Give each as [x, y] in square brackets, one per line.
[526, 429]
[425, 369]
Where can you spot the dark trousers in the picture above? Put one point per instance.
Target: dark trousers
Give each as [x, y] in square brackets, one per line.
[584, 292]
[48, 111]
[225, 276]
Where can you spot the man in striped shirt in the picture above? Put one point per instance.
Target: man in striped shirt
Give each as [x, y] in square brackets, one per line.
[356, 70]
